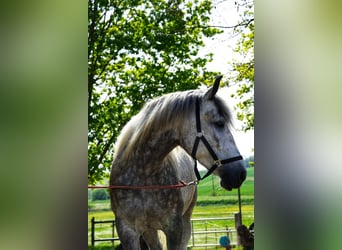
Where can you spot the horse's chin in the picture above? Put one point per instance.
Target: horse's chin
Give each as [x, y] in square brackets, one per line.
[229, 185]
[226, 185]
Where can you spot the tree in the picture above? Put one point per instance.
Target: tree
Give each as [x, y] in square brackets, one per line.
[243, 70]
[100, 194]
[138, 50]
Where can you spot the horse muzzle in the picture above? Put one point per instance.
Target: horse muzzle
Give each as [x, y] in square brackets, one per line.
[232, 175]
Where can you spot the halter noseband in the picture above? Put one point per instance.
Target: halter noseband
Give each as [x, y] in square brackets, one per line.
[200, 137]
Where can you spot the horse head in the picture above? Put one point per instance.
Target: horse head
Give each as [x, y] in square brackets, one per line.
[211, 139]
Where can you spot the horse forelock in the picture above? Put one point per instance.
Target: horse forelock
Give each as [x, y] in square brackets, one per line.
[170, 110]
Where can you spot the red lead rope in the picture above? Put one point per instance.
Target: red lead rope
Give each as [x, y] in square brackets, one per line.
[181, 184]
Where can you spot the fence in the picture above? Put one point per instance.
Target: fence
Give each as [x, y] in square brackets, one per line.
[205, 232]
[113, 231]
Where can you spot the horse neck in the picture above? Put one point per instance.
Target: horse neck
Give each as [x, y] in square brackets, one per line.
[148, 155]
[159, 145]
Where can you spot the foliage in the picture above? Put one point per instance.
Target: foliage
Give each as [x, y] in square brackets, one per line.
[100, 194]
[243, 70]
[138, 50]
[90, 206]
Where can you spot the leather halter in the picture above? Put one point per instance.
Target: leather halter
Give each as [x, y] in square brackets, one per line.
[200, 137]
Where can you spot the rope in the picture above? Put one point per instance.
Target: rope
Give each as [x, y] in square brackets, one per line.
[181, 184]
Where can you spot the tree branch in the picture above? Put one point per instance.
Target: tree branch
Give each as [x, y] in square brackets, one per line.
[244, 23]
[106, 148]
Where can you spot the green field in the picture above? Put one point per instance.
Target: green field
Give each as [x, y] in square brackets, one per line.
[212, 202]
[210, 192]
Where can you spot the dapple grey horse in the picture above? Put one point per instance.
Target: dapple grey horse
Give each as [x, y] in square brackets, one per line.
[158, 147]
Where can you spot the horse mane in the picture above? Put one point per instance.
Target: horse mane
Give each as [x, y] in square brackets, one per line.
[169, 110]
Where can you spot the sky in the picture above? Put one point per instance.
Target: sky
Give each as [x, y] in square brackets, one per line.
[223, 14]
[222, 45]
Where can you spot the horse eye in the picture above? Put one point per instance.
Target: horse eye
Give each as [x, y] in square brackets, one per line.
[219, 124]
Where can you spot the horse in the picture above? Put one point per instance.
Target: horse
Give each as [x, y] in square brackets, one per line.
[158, 148]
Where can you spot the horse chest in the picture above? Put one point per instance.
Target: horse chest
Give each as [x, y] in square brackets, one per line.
[147, 204]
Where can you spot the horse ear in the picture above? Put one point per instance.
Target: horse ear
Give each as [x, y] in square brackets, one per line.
[212, 91]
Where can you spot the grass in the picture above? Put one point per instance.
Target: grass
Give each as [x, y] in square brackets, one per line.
[211, 193]
[212, 202]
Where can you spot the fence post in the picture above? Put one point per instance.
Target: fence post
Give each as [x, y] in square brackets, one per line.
[238, 220]
[113, 232]
[92, 231]
[193, 233]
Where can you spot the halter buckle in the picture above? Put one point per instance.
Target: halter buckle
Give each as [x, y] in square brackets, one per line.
[218, 163]
[199, 134]
[192, 183]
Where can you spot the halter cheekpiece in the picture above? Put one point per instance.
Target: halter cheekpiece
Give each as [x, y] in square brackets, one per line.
[200, 137]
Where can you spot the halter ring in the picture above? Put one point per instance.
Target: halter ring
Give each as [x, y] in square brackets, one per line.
[218, 163]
